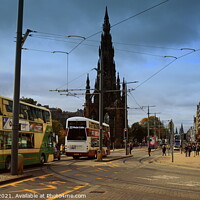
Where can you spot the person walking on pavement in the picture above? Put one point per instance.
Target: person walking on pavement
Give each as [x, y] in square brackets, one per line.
[189, 149]
[186, 150]
[149, 151]
[198, 149]
[164, 150]
[131, 147]
[194, 148]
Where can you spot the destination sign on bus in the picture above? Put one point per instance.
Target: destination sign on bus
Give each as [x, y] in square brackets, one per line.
[76, 124]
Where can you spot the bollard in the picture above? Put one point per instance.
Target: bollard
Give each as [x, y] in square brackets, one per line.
[20, 164]
[99, 155]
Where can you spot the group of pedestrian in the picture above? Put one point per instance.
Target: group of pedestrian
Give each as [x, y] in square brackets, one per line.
[195, 147]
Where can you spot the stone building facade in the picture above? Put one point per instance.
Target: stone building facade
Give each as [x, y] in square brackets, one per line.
[113, 93]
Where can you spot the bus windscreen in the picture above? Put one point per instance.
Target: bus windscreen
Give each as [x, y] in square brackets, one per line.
[76, 134]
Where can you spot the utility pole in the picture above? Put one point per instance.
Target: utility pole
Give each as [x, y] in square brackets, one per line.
[148, 133]
[171, 126]
[126, 117]
[155, 135]
[155, 125]
[148, 128]
[100, 109]
[159, 126]
[126, 123]
[15, 126]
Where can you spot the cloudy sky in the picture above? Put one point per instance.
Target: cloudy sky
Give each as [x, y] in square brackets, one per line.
[147, 36]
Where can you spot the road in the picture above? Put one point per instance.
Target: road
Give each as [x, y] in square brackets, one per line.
[136, 177]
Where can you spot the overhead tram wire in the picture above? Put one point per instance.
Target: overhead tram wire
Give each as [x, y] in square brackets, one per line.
[36, 50]
[149, 54]
[96, 41]
[75, 78]
[175, 58]
[157, 5]
[137, 103]
[140, 13]
[85, 38]
[155, 73]
[143, 53]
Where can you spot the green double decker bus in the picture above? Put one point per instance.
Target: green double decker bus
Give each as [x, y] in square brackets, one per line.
[35, 133]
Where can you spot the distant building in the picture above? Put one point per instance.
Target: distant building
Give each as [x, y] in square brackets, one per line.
[113, 98]
[191, 134]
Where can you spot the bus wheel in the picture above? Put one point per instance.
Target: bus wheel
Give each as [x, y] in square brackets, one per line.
[8, 164]
[42, 159]
[75, 157]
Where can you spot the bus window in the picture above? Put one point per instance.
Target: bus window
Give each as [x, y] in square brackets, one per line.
[26, 141]
[8, 140]
[33, 112]
[50, 140]
[9, 106]
[31, 115]
[76, 134]
[23, 112]
[94, 142]
[39, 114]
[1, 140]
[46, 116]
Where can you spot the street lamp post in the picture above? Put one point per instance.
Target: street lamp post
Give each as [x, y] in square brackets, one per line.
[126, 117]
[99, 156]
[171, 127]
[15, 126]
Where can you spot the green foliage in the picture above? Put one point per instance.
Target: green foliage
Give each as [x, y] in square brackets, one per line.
[137, 132]
[59, 110]
[28, 100]
[59, 130]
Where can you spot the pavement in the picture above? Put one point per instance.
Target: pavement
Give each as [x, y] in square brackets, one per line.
[7, 177]
[179, 160]
[115, 155]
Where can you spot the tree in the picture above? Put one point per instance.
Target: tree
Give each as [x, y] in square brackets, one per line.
[29, 100]
[137, 132]
[59, 130]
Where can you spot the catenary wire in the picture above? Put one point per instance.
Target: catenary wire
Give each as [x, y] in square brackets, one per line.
[85, 38]
[165, 67]
[96, 41]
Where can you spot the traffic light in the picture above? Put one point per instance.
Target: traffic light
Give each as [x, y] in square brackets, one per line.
[125, 133]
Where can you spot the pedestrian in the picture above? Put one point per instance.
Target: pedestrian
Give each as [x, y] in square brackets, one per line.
[57, 151]
[164, 150]
[149, 151]
[194, 149]
[189, 150]
[198, 149]
[131, 147]
[186, 150]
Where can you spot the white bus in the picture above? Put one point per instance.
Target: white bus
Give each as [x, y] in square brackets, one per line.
[82, 138]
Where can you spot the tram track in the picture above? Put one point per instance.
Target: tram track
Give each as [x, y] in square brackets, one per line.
[71, 166]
